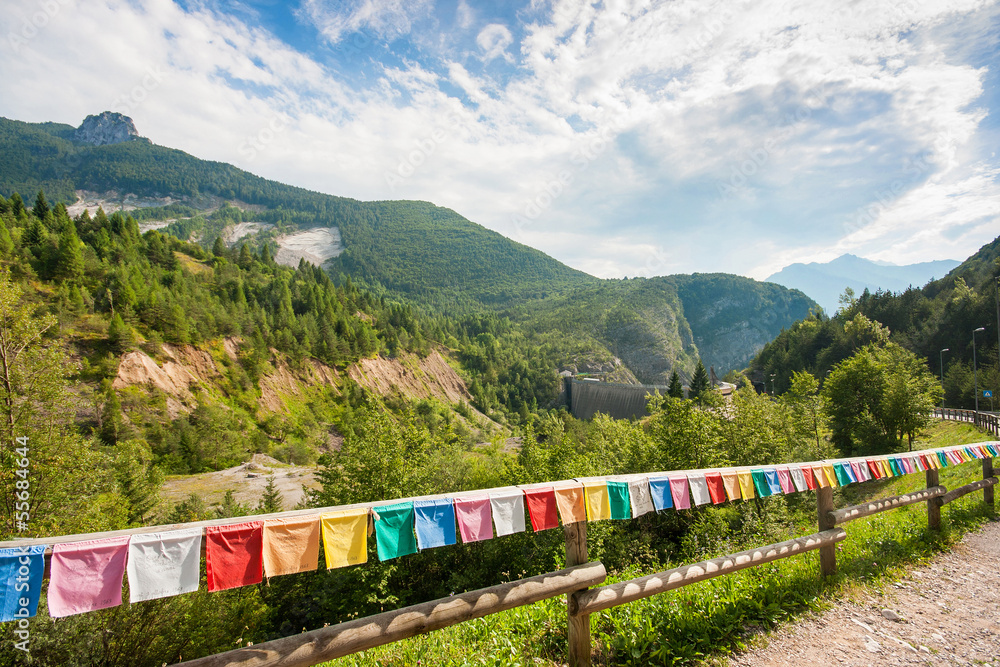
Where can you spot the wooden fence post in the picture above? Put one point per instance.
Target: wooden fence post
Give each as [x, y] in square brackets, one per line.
[578, 628]
[987, 473]
[933, 504]
[827, 554]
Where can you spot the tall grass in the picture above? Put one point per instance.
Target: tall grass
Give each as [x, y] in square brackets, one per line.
[704, 622]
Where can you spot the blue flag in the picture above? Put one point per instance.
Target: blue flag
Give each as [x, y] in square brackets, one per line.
[435, 522]
[21, 576]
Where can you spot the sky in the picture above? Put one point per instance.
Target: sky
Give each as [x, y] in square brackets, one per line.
[622, 138]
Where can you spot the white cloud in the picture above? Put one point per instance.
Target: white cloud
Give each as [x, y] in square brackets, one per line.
[494, 40]
[388, 19]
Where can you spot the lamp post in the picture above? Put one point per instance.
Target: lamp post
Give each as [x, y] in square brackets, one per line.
[947, 349]
[975, 378]
[772, 384]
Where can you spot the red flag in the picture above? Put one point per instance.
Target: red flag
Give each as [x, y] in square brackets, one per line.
[716, 489]
[234, 555]
[807, 472]
[542, 508]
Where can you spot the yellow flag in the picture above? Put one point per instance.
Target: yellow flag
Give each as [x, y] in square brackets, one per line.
[598, 502]
[345, 537]
[746, 484]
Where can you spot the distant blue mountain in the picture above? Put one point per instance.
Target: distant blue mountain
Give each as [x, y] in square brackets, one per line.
[826, 282]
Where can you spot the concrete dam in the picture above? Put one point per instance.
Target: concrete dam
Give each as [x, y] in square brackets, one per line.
[620, 401]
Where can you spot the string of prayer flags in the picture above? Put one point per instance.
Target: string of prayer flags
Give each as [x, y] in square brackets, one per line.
[785, 479]
[291, 545]
[618, 499]
[162, 565]
[569, 500]
[731, 482]
[640, 497]
[716, 489]
[234, 555]
[435, 523]
[679, 492]
[659, 490]
[771, 475]
[345, 537]
[508, 511]
[21, 577]
[699, 489]
[799, 478]
[474, 520]
[86, 576]
[598, 502]
[746, 484]
[760, 483]
[542, 508]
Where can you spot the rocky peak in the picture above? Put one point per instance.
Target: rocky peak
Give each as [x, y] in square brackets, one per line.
[106, 128]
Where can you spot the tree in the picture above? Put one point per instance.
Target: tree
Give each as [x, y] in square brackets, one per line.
[121, 337]
[699, 381]
[877, 397]
[219, 248]
[271, 501]
[139, 481]
[675, 389]
[808, 418]
[41, 208]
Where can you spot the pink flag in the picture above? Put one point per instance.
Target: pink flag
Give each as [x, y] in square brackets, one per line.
[680, 493]
[87, 576]
[785, 479]
[475, 521]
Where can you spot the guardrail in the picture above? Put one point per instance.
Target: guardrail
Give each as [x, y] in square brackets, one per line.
[986, 421]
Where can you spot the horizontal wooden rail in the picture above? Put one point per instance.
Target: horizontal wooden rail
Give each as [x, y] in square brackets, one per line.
[882, 504]
[968, 488]
[605, 597]
[311, 648]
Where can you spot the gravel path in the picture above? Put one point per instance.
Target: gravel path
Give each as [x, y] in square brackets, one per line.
[946, 612]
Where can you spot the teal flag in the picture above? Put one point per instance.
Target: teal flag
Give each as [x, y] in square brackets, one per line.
[842, 477]
[621, 505]
[943, 459]
[394, 534]
[760, 483]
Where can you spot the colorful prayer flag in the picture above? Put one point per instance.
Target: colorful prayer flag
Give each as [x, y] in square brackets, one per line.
[570, 502]
[21, 571]
[621, 506]
[598, 502]
[731, 481]
[716, 489]
[394, 530]
[434, 521]
[699, 489]
[679, 492]
[542, 508]
[799, 478]
[474, 521]
[773, 485]
[291, 545]
[234, 555]
[831, 475]
[508, 511]
[875, 468]
[86, 576]
[785, 479]
[840, 473]
[165, 564]
[746, 484]
[760, 483]
[659, 490]
[345, 537]
[640, 497]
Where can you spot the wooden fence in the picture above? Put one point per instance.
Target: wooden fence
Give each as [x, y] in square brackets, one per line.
[311, 648]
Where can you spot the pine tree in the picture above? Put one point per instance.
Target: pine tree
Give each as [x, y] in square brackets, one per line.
[245, 260]
[121, 337]
[219, 248]
[699, 381]
[675, 389]
[6, 243]
[42, 208]
[270, 502]
[69, 263]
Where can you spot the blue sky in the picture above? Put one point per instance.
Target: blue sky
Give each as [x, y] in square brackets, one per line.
[623, 138]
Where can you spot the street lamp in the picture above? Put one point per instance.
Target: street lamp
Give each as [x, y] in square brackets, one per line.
[975, 378]
[772, 384]
[947, 349]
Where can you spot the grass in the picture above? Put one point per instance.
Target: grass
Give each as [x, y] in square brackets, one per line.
[703, 623]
